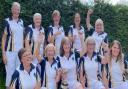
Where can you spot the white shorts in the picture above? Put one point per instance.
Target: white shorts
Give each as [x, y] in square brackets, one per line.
[96, 85]
[12, 63]
[73, 84]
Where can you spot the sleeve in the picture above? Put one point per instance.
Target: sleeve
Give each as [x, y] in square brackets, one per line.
[70, 31]
[38, 74]
[49, 32]
[15, 80]
[58, 62]
[81, 65]
[77, 54]
[42, 73]
[90, 32]
[28, 33]
[6, 27]
[106, 39]
[126, 62]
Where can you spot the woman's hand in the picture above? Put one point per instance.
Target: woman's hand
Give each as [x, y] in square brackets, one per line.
[38, 85]
[57, 33]
[90, 11]
[40, 38]
[58, 75]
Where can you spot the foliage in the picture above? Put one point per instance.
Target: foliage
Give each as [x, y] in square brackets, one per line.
[115, 17]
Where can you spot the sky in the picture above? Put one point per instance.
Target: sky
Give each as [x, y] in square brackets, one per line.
[111, 1]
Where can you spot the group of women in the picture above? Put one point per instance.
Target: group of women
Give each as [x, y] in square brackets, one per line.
[38, 60]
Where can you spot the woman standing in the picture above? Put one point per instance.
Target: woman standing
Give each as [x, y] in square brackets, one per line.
[33, 33]
[56, 31]
[74, 31]
[115, 72]
[97, 32]
[12, 41]
[89, 67]
[26, 76]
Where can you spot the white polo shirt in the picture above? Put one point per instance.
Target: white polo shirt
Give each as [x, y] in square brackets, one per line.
[90, 67]
[70, 65]
[35, 35]
[117, 75]
[48, 73]
[75, 32]
[99, 38]
[14, 32]
[58, 38]
[22, 79]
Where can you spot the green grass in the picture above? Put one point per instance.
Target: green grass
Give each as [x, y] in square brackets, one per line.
[2, 81]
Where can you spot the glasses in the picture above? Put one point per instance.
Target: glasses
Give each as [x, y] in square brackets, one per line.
[91, 44]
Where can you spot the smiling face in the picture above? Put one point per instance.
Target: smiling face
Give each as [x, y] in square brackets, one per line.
[50, 51]
[67, 46]
[56, 19]
[99, 26]
[37, 20]
[77, 19]
[90, 47]
[26, 58]
[115, 50]
[15, 10]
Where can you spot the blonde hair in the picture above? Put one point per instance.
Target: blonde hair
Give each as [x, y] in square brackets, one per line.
[100, 21]
[55, 12]
[48, 46]
[89, 39]
[120, 57]
[15, 4]
[64, 40]
[77, 14]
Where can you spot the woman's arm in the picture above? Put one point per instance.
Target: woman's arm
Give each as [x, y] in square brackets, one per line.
[37, 51]
[82, 77]
[82, 51]
[90, 11]
[3, 48]
[104, 78]
[58, 75]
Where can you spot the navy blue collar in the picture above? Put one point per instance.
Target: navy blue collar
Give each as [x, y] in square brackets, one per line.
[75, 26]
[33, 26]
[22, 67]
[54, 61]
[100, 33]
[69, 55]
[94, 54]
[10, 18]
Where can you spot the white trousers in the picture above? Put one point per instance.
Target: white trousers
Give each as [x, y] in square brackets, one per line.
[12, 63]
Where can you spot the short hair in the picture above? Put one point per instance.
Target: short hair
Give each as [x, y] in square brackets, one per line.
[15, 4]
[37, 14]
[100, 21]
[21, 52]
[55, 12]
[77, 14]
[46, 48]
